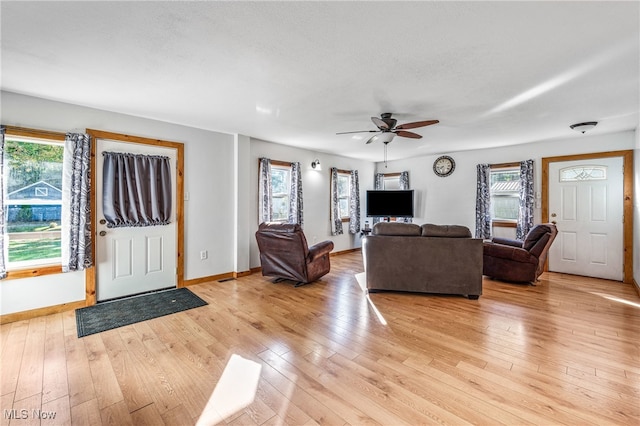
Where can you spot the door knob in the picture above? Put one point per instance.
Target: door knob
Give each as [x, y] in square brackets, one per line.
[554, 222]
[102, 233]
[102, 221]
[553, 215]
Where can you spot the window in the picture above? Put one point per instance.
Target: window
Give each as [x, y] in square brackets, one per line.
[280, 190]
[32, 200]
[391, 181]
[344, 201]
[344, 191]
[571, 174]
[505, 194]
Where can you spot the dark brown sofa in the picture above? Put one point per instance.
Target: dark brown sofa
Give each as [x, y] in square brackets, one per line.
[430, 258]
[519, 261]
[284, 253]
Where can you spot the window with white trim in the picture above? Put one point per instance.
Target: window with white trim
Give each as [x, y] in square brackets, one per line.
[391, 181]
[505, 194]
[280, 190]
[344, 193]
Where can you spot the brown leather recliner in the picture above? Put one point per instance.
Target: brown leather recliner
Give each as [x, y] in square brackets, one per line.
[284, 254]
[519, 261]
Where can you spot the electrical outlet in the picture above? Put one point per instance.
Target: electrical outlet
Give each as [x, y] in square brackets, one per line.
[203, 255]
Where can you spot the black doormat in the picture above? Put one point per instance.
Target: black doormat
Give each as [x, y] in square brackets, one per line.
[118, 313]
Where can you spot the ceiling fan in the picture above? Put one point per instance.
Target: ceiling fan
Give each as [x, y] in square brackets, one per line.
[387, 128]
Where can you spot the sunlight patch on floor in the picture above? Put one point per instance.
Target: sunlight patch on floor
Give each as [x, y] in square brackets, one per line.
[617, 299]
[235, 390]
[361, 278]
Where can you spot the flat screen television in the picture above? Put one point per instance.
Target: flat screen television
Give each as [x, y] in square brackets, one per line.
[390, 203]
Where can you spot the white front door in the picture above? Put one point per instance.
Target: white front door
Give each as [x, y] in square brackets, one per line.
[134, 260]
[586, 202]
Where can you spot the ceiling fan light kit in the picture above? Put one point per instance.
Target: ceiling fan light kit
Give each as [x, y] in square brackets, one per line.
[583, 127]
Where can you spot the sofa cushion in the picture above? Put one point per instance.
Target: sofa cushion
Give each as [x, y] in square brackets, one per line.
[397, 229]
[445, 231]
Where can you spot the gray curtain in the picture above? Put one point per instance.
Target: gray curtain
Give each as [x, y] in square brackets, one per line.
[354, 203]
[336, 220]
[378, 181]
[378, 184]
[527, 200]
[136, 189]
[3, 267]
[404, 184]
[295, 195]
[483, 202]
[76, 201]
[264, 191]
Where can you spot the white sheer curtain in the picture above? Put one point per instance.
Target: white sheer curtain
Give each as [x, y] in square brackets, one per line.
[76, 203]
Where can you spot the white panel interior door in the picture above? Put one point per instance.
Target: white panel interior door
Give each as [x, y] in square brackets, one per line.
[134, 260]
[588, 210]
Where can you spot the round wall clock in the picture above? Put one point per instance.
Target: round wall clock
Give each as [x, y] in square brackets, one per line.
[444, 166]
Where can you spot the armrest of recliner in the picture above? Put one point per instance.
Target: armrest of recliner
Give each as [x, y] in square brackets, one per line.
[319, 250]
[507, 241]
[508, 252]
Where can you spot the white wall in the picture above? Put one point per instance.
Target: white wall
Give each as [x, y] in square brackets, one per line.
[209, 212]
[451, 200]
[316, 190]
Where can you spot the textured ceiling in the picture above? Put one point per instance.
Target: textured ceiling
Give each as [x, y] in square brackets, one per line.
[493, 73]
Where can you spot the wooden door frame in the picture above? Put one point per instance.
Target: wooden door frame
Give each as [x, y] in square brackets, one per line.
[90, 273]
[627, 195]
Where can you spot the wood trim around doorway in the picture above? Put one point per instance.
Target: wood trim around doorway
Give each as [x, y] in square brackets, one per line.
[627, 194]
[90, 276]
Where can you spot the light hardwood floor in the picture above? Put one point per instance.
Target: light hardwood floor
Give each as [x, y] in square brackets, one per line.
[563, 352]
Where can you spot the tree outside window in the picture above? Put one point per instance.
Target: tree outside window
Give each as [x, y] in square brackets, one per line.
[33, 200]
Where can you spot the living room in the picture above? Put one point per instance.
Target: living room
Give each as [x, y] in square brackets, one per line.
[213, 155]
[453, 197]
[221, 163]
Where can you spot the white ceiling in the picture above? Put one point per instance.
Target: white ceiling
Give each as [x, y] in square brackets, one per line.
[493, 73]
